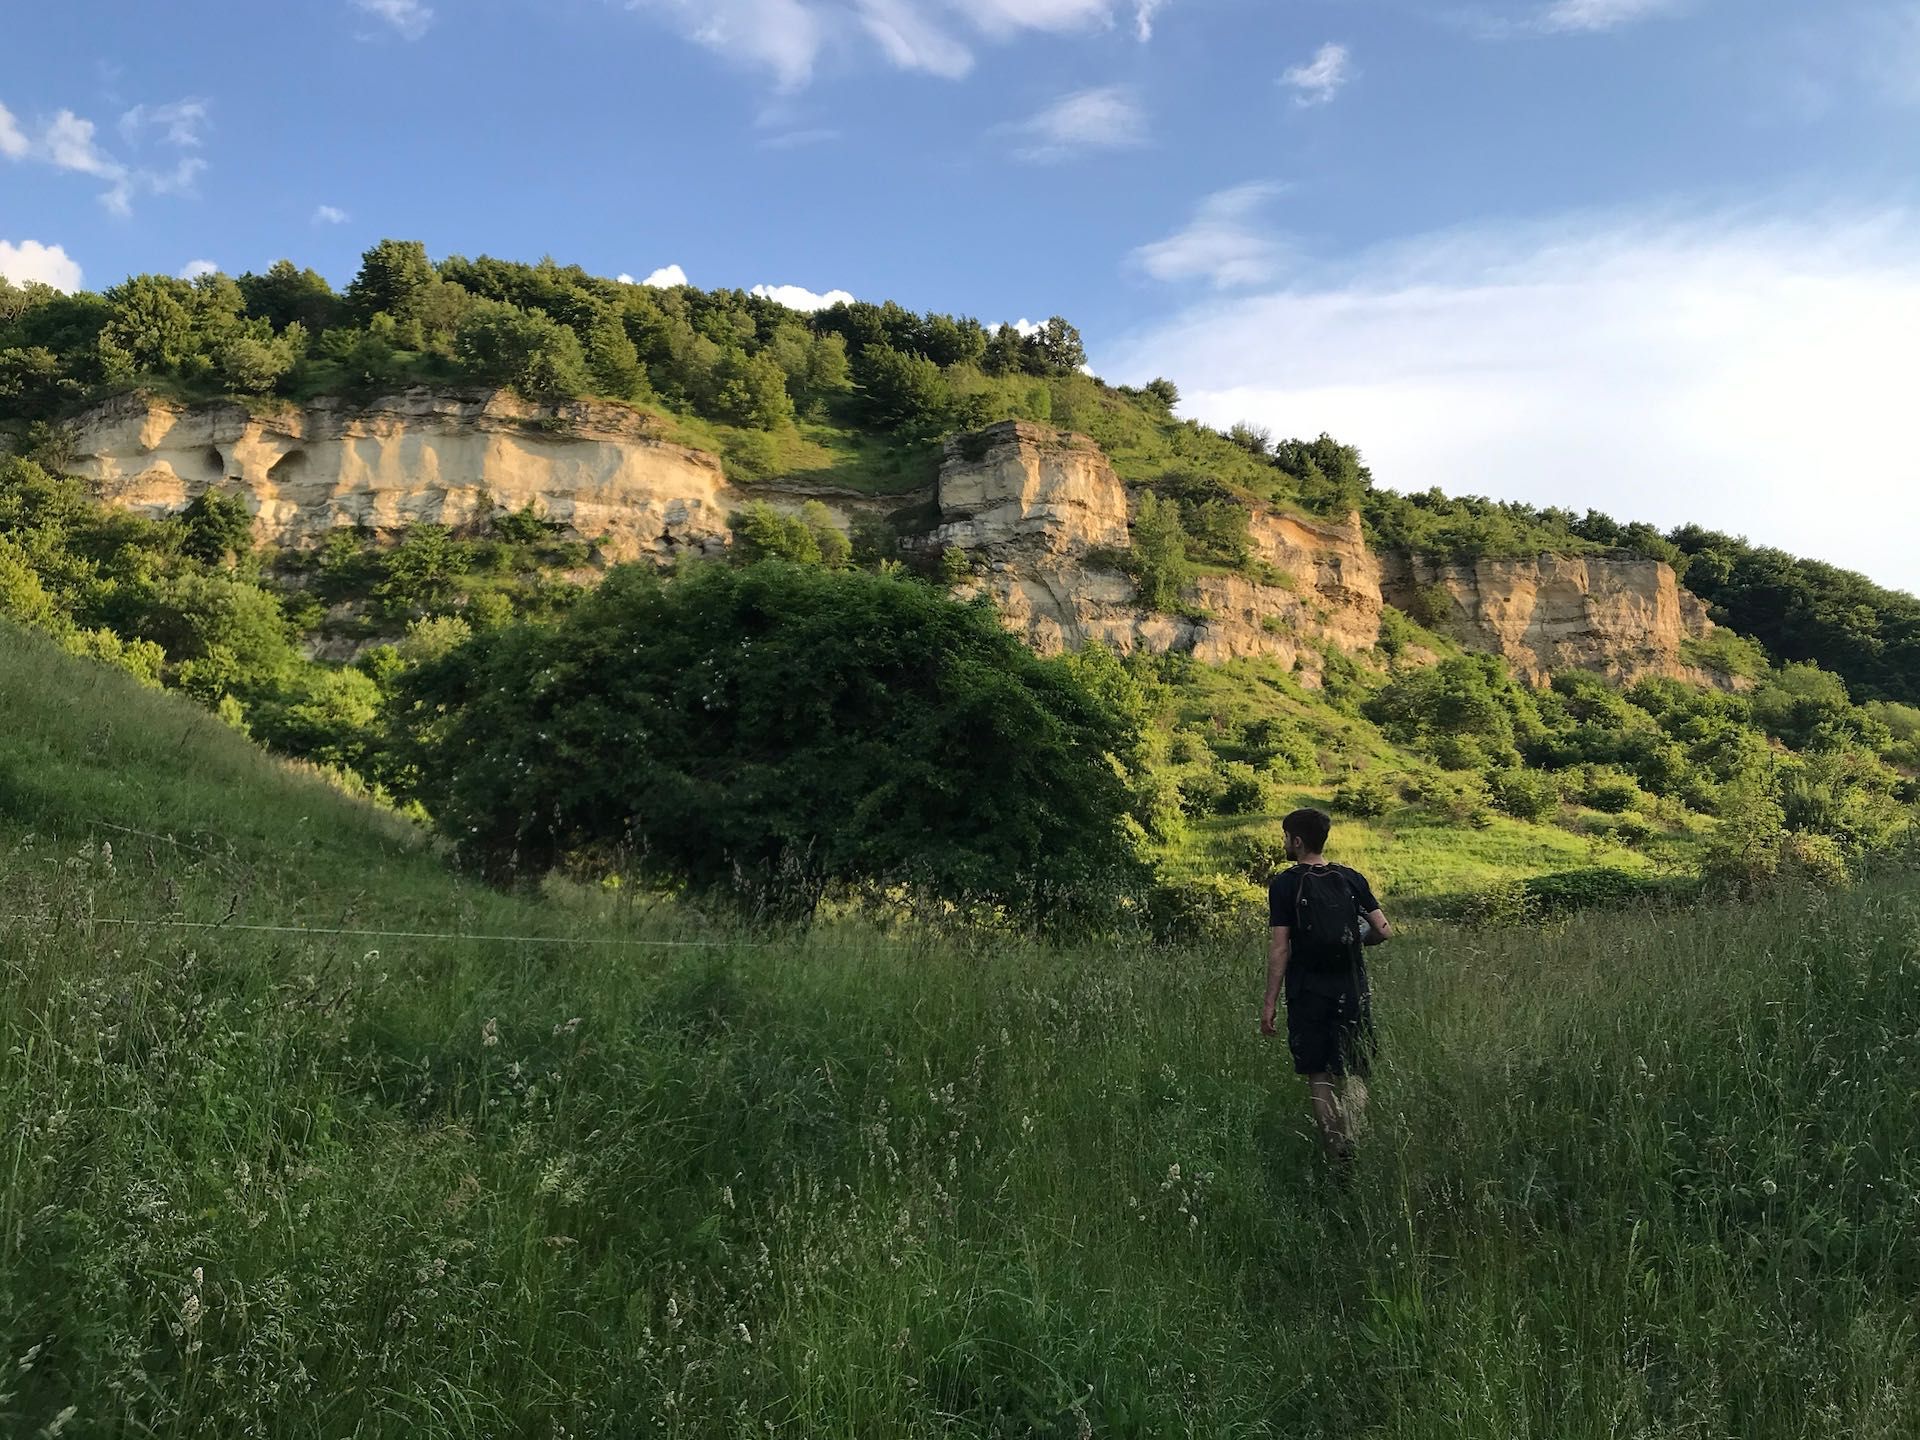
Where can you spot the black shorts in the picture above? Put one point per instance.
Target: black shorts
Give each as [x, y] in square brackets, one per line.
[1330, 1034]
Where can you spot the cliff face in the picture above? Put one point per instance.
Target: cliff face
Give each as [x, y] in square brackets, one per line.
[420, 456]
[1625, 617]
[1039, 513]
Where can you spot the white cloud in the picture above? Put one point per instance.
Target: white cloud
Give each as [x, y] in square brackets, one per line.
[194, 269]
[623, 278]
[1026, 328]
[13, 140]
[1751, 377]
[1143, 13]
[1321, 78]
[1595, 16]
[180, 123]
[68, 144]
[786, 38]
[1222, 245]
[1108, 118]
[798, 297]
[409, 18]
[783, 37]
[48, 264]
[330, 215]
[666, 277]
[912, 41]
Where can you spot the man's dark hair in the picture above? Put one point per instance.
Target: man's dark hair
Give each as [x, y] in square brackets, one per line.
[1311, 827]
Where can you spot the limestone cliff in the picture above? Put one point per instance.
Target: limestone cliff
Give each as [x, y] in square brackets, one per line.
[1624, 616]
[436, 456]
[1039, 513]
[1043, 518]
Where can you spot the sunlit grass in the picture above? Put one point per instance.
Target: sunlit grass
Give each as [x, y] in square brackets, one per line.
[1650, 1174]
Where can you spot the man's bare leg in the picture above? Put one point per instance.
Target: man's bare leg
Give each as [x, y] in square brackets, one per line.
[1331, 1114]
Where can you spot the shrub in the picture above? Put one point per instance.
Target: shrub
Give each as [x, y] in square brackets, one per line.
[1203, 908]
[1610, 792]
[1818, 860]
[1243, 790]
[1524, 794]
[872, 733]
[1259, 854]
[1363, 796]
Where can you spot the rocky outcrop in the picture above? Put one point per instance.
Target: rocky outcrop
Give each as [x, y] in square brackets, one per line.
[1038, 512]
[1624, 616]
[438, 456]
[1043, 519]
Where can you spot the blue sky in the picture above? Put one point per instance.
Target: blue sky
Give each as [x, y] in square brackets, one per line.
[1655, 256]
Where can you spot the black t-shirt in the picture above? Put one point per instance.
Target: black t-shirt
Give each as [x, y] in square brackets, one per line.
[1283, 900]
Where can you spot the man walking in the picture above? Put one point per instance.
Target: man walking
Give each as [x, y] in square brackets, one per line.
[1321, 916]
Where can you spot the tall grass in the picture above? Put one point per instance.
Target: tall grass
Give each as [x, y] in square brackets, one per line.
[1650, 1175]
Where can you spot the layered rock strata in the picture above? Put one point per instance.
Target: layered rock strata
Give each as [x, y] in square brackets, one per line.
[1039, 513]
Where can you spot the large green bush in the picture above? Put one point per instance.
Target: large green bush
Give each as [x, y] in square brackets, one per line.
[768, 732]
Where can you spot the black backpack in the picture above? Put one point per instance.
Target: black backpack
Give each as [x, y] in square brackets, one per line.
[1326, 918]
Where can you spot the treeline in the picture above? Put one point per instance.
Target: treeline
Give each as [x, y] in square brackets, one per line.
[551, 332]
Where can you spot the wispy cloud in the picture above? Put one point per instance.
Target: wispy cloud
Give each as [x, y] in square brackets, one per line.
[30, 261]
[1222, 245]
[409, 19]
[330, 215]
[912, 40]
[785, 39]
[1143, 13]
[1710, 357]
[70, 142]
[1593, 16]
[1321, 78]
[798, 297]
[194, 269]
[180, 123]
[13, 140]
[1108, 118]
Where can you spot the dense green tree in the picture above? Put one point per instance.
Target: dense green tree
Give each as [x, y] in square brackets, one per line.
[218, 528]
[1158, 560]
[902, 393]
[287, 296]
[152, 326]
[766, 733]
[393, 275]
[504, 345]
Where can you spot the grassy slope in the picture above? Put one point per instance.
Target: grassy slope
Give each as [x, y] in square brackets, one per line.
[1413, 852]
[1643, 1177]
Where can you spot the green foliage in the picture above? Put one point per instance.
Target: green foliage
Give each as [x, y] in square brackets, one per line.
[809, 538]
[1365, 797]
[1524, 794]
[1610, 792]
[218, 528]
[423, 573]
[504, 345]
[1726, 652]
[1467, 711]
[867, 733]
[1091, 1152]
[901, 392]
[1805, 610]
[1243, 790]
[394, 276]
[1157, 561]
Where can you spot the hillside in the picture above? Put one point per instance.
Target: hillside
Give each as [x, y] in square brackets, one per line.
[316, 1184]
[285, 502]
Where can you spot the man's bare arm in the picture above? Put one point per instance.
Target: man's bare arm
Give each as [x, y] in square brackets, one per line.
[1279, 948]
[1381, 931]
